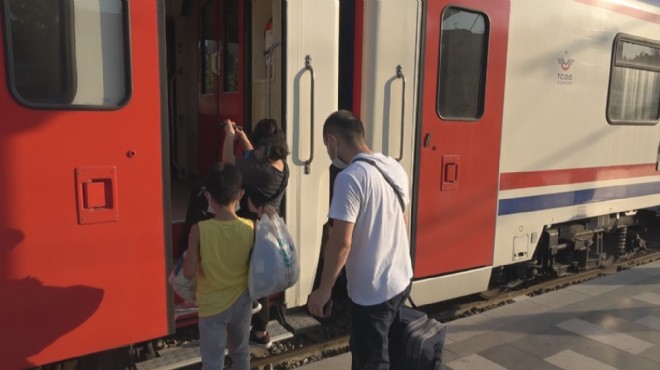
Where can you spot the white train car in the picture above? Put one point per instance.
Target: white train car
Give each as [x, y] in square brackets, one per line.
[518, 115]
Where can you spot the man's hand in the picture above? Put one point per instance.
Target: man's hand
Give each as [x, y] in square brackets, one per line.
[317, 300]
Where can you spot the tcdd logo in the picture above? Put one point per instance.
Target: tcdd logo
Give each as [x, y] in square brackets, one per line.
[565, 63]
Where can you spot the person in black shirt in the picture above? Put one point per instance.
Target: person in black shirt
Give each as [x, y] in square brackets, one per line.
[265, 176]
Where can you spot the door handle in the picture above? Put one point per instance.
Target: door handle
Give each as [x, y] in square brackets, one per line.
[96, 189]
[450, 172]
[399, 74]
[308, 163]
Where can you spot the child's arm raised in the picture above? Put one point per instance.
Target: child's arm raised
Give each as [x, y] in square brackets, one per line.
[192, 255]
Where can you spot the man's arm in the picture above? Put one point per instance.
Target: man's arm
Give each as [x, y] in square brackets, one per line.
[336, 253]
[192, 255]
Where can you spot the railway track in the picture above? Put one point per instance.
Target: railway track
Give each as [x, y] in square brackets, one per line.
[313, 350]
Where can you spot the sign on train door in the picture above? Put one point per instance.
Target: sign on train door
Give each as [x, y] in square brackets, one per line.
[84, 250]
[222, 65]
[464, 57]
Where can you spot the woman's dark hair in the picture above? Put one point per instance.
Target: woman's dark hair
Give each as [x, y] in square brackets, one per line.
[268, 135]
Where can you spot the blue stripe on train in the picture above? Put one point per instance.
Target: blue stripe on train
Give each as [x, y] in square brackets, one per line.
[570, 198]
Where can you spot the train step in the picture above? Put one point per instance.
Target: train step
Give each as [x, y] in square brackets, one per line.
[188, 354]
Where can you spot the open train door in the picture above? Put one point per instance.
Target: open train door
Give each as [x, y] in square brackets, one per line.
[310, 48]
[84, 250]
[463, 67]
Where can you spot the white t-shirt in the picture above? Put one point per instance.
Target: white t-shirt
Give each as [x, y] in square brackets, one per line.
[378, 266]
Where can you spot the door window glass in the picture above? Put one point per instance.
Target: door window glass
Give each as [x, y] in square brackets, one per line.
[634, 95]
[68, 53]
[209, 50]
[230, 46]
[462, 70]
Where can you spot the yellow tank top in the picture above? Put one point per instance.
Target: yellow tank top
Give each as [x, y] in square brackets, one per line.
[222, 276]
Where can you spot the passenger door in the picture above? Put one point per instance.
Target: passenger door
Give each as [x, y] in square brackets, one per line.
[311, 82]
[464, 59]
[84, 250]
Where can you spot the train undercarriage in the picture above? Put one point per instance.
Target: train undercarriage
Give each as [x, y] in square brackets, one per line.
[578, 246]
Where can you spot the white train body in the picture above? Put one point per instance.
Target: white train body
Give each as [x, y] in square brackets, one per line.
[561, 157]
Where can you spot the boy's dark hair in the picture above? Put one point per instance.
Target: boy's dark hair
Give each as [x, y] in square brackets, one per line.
[268, 135]
[224, 183]
[346, 125]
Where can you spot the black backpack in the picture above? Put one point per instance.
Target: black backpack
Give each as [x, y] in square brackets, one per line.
[416, 341]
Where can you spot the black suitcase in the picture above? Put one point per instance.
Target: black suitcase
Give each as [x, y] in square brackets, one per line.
[416, 342]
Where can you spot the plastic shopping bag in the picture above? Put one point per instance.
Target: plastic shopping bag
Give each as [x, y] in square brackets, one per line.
[183, 286]
[274, 265]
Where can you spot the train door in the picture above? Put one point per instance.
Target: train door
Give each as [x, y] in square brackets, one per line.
[222, 68]
[463, 67]
[83, 158]
[310, 40]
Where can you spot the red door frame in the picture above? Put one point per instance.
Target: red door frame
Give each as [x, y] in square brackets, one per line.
[454, 227]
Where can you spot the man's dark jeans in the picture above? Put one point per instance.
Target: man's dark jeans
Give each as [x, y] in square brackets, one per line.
[370, 332]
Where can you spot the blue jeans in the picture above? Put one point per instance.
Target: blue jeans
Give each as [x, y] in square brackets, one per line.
[370, 330]
[230, 327]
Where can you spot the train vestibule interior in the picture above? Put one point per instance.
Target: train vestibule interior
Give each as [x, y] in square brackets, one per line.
[223, 62]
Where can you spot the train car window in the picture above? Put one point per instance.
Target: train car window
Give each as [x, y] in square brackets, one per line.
[230, 47]
[462, 70]
[634, 94]
[209, 50]
[68, 54]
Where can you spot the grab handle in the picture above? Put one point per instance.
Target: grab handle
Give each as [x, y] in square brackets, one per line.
[308, 67]
[399, 74]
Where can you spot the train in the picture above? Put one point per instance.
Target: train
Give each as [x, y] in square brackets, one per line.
[528, 128]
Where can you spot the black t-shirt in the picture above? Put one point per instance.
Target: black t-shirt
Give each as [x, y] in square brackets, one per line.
[261, 182]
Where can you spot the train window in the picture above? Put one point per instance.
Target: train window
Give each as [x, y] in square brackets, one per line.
[230, 49]
[634, 94]
[209, 50]
[462, 70]
[64, 53]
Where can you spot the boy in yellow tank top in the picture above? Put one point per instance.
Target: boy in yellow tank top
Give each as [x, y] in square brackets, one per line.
[218, 256]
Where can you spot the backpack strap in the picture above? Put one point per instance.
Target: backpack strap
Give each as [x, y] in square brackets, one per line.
[387, 178]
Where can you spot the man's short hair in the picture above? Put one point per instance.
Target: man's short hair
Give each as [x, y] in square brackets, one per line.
[224, 183]
[346, 125]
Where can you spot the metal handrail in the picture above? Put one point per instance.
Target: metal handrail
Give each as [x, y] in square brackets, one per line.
[308, 67]
[270, 61]
[399, 74]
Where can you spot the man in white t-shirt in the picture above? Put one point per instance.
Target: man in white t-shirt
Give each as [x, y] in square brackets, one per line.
[368, 236]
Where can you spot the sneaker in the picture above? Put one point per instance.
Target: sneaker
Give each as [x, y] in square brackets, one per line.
[263, 342]
[256, 307]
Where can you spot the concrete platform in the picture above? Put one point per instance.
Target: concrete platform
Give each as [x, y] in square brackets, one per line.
[607, 323]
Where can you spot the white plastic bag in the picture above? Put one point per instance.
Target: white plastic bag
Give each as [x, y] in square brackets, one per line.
[274, 265]
[183, 286]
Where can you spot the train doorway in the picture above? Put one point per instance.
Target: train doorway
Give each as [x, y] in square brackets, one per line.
[222, 66]
[463, 63]
[223, 63]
